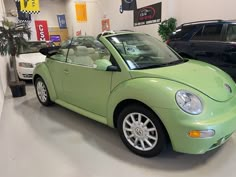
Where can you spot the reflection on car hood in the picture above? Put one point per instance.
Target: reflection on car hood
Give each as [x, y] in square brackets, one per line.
[203, 77]
[32, 58]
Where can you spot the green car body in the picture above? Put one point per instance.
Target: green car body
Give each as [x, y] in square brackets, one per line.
[101, 95]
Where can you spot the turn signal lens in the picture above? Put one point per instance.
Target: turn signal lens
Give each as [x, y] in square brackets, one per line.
[194, 134]
[201, 133]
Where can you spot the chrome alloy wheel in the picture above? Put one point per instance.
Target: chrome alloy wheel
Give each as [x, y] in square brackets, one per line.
[140, 131]
[42, 91]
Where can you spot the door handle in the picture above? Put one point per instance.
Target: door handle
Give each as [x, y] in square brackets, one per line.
[66, 71]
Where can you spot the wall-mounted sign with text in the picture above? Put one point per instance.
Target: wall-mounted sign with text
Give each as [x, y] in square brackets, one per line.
[148, 15]
[29, 6]
[42, 30]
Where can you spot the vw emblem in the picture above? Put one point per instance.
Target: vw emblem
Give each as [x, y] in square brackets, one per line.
[228, 88]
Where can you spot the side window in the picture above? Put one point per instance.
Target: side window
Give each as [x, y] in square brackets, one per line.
[181, 32]
[60, 55]
[212, 32]
[86, 53]
[231, 33]
[198, 35]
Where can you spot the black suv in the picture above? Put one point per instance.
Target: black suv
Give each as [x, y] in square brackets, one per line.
[212, 41]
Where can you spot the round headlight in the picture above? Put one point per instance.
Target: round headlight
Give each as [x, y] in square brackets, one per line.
[189, 102]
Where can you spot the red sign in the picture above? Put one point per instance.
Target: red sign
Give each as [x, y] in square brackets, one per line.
[42, 30]
[105, 25]
[78, 33]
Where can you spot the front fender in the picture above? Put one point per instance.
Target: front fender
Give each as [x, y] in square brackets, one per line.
[43, 72]
[153, 92]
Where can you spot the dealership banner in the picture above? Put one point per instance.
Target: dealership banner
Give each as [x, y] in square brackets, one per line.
[29, 6]
[106, 25]
[42, 30]
[62, 21]
[148, 15]
[128, 5]
[22, 17]
[81, 11]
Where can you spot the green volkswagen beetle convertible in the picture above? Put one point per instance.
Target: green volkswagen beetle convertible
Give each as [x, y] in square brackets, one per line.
[136, 84]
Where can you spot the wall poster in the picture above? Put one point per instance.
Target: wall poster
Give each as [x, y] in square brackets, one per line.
[106, 25]
[42, 30]
[29, 6]
[148, 15]
[127, 5]
[62, 21]
[81, 12]
[22, 17]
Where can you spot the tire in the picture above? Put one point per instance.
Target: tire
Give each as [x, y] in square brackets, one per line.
[136, 136]
[42, 92]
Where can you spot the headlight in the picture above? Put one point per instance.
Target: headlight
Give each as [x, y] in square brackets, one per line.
[189, 102]
[26, 65]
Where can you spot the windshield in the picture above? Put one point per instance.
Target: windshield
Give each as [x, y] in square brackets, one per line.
[141, 51]
[88, 41]
[33, 47]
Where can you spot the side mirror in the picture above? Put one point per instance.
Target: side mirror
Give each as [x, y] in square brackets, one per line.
[105, 65]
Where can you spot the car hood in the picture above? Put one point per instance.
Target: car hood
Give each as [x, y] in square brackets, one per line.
[32, 58]
[201, 76]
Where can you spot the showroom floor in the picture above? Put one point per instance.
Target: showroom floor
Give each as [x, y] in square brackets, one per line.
[37, 141]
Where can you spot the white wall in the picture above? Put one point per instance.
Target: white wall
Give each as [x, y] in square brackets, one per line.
[93, 15]
[192, 10]
[3, 62]
[96, 9]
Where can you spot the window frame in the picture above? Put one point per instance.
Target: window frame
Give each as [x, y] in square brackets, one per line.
[226, 28]
[203, 30]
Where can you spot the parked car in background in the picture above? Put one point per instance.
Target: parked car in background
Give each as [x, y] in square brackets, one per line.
[212, 41]
[29, 57]
[151, 94]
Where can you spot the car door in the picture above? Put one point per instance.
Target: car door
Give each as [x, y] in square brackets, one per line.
[56, 66]
[207, 45]
[84, 86]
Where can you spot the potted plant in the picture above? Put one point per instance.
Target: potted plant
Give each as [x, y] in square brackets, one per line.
[166, 28]
[12, 39]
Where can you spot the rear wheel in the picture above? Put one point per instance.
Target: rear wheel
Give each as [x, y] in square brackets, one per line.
[141, 131]
[42, 92]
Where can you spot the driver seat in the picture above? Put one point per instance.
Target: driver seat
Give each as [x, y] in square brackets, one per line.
[82, 57]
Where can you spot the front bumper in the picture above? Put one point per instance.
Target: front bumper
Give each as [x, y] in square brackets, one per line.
[179, 124]
[25, 73]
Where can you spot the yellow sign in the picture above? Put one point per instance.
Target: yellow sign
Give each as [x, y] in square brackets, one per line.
[81, 12]
[29, 6]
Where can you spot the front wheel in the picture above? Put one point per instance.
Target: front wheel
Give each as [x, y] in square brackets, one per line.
[42, 92]
[141, 131]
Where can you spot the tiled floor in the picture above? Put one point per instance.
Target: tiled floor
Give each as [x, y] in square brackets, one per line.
[37, 141]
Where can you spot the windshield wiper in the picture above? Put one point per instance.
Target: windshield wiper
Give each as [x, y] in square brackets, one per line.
[163, 65]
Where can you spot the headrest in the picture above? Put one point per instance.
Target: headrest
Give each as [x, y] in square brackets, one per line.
[91, 50]
[64, 51]
[81, 51]
[71, 52]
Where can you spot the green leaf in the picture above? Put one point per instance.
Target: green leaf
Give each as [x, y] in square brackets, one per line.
[166, 28]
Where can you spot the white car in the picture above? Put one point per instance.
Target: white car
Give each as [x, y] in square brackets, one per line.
[29, 57]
